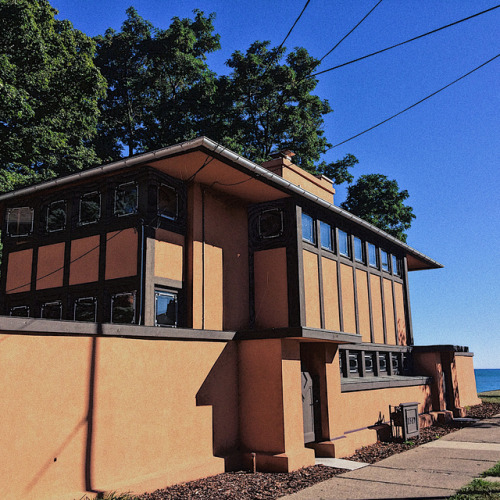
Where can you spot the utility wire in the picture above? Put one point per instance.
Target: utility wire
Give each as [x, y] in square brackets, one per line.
[413, 105]
[402, 43]
[296, 21]
[338, 43]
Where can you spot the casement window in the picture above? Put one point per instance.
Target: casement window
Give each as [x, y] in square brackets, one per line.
[359, 250]
[20, 311]
[165, 308]
[384, 260]
[123, 307]
[344, 246]
[308, 233]
[19, 221]
[353, 363]
[382, 362]
[56, 216]
[85, 309]
[52, 310]
[372, 255]
[126, 199]
[325, 231]
[90, 208]
[396, 366]
[168, 202]
[369, 365]
[270, 223]
[396, 266]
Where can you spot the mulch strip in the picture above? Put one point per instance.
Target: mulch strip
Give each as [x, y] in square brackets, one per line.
[244, 485]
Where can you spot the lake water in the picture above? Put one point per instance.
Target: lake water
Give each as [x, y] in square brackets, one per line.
[487, 379]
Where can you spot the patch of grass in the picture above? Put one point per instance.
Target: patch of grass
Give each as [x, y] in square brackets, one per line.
[478, 489]
[494, 471]
[489, 396]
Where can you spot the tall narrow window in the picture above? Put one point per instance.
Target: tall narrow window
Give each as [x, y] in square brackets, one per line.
[90, 207]
[372, 255]
[126, 199]
[384, 260]
[168, 202]
[271, 223]
[123, 308]
[19, 221]
[308, 228]
[359, 250]
[52, 310]
[326, 235]
[56, 216]
[85, 309]
[166, 308]
[20, 311]
[344, 247]
[396, 266]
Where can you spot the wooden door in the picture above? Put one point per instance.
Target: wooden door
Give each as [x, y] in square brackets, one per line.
[308, 407]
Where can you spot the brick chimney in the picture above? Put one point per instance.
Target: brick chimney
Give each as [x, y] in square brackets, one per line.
[282, 165]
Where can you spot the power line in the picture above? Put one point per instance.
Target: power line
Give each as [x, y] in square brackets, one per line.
[402, 43]
[413, 105]
[338, 43]
[296, 21]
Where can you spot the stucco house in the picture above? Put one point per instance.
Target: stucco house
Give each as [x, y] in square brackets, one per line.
[183, 312]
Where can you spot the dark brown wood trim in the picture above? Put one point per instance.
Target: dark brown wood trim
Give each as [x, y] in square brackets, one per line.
[34, 268]
[406, 295]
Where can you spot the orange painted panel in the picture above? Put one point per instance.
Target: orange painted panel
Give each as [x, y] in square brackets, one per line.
[389, 313]
[121, 253]
[311, 289]
[19, 271]
[400, 312]
[169, 260]
[261, 396]
[84, 267]
[50, 269]
[214, 305]
[271, 288]
[347, 281]
[363, 305]
[467, 391]
[330, 294]
[378, 324]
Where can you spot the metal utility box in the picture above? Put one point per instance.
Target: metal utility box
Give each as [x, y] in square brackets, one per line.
[404, 420]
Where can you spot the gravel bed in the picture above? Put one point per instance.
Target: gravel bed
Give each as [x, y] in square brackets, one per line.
[266, 485]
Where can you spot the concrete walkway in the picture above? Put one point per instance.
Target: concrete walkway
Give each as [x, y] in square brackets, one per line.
[433, 470]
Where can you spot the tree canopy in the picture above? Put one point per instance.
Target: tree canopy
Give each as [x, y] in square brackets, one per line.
[379, 201]
[49, 87]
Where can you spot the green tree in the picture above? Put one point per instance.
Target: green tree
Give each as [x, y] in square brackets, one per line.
[157, 79]
[378, 200]
[267, 104]
[49, 88]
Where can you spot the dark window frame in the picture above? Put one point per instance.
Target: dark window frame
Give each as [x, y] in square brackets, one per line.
[331, 247]
[174, 293]
[134, 305]
[279, 233]
[348, 244]
[19, 235]
[370, 263]
[386, 268]
[361, 259]
[52, 303]
[162, 213]
[19, 307]
[47, 210]
[95, 221]
[312, 241]
[136, 207]
[80, 299]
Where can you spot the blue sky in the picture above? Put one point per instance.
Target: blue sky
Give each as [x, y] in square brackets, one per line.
[445, 151]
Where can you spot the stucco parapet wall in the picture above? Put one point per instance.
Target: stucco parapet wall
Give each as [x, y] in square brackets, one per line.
[31, 326]
[457, 349]
[364, 346]
[300, 333]
[371, 383]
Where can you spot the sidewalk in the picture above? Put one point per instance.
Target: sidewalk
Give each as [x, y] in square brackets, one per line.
[434, 470]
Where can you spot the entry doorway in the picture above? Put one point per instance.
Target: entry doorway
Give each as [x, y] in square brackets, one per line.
[311, 407]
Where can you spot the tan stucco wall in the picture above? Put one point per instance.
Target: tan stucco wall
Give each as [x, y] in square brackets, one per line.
[466, 381]
[158, 412]
[311, 289]
[363, 305]
[271, 288]
[400, 313]
[121, 253]
[84, 267]
[378, 324]
[331, 294]
[389, 312]
[50, 266]
[348, 309]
